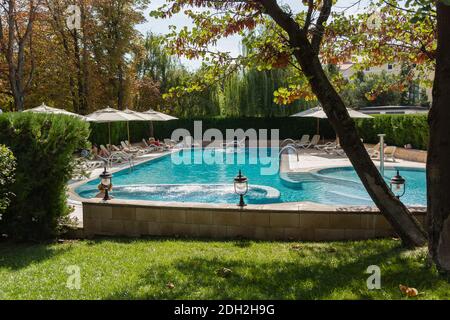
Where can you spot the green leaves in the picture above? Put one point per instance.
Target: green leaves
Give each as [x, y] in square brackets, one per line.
[400, 129]
[44, 146]
[405, 34]
[7, 169]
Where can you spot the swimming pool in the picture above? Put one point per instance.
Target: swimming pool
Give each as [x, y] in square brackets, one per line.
[200, 179]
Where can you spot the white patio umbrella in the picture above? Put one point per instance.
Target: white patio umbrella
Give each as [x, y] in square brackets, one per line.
[109, 115]
[152, 115]
[158, 116]
[49, 110]
[318, 113]
[138, 115]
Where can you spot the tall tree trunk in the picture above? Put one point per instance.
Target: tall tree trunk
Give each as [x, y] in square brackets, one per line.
[85, 57]
[120, 87]
[306, 53]
[438, 163]
[80, 78]
[14, 50]
[56, 9]
[73, 95]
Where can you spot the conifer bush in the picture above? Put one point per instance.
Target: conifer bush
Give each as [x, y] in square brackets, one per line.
[44, 146]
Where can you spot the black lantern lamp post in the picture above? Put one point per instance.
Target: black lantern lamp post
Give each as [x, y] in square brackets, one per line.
[241, 188]
[105, 184]
[398, 185]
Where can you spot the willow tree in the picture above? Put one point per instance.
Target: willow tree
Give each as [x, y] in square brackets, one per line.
[297, 41]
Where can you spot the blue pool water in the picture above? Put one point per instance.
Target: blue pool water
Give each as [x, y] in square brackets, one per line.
[165, 179]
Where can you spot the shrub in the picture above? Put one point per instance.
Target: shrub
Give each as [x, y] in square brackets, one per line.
[7, 168]
[399, 129]
[44, 146]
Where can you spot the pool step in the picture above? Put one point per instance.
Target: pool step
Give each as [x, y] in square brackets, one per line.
[299, 177]
[343, 195]
[295, 179]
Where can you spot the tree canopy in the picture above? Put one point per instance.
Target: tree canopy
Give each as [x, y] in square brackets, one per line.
[385, 33]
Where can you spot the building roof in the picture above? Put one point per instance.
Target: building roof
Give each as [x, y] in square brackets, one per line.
[378, 109]
[394, 108]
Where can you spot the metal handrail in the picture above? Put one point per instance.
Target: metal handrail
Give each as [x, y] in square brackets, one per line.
[289, 147]
[290, 141]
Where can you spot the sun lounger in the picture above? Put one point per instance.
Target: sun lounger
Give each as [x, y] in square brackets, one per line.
[330, 144]
[322, 147]
[389, 153]
[188, 142]
[170, 143]
[234, 143]
[335, 149]
[152, 146]
[314, 141]
[115, 157]
[128, 148]
[145, 145]
[375, 151]
[304, 140]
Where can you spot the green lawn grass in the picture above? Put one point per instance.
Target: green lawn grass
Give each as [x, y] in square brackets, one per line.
[143, 268]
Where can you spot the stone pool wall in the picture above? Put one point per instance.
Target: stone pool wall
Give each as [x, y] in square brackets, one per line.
[407, 154]
[133, 220]
[411, 155]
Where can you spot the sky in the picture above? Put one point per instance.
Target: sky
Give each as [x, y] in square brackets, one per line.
[231, 44]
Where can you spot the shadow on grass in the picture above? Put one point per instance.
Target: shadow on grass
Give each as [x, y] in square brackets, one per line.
[242, 243]
[313, 273]
[20, 255]
[198, 268]
[238, 242]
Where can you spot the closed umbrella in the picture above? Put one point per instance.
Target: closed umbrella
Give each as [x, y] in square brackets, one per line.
[49, 110]
[109, 115]
[318, 113]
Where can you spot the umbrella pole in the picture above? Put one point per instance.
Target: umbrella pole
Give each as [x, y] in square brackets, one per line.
[151, 129]
[109, 135]
[318, 129]
[128, 130]
[318, 124]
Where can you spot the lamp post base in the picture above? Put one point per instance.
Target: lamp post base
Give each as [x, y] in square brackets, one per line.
[106, 197]
[241, 202]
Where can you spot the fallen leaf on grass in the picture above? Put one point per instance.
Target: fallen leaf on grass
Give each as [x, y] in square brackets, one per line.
[410, 292]
[170, 285]
[224, 272]
[296, 247]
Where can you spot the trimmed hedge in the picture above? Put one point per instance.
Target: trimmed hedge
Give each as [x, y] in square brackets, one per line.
[7, 168]
[399, 129]
[289, 128]
[44, 146]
